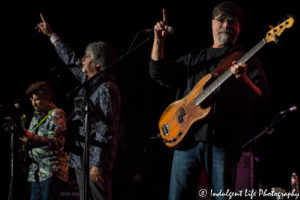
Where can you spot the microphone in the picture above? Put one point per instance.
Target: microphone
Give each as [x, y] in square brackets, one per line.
[7, 108]
[17, 105]
[150, 30]
[291, 109]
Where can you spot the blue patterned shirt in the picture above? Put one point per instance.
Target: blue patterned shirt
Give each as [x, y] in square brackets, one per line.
[47, 154]
[106, 98]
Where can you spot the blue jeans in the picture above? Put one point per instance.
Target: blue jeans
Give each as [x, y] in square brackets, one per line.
[187, 164]
[46, 190]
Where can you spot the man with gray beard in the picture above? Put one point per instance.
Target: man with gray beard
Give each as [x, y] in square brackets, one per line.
[214, 143]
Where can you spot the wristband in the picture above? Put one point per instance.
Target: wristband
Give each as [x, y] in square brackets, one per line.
[54, 37]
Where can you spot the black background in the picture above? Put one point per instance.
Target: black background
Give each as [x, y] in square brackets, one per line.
[27, 56]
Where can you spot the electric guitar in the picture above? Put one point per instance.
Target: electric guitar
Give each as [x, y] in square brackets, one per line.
[181, 115]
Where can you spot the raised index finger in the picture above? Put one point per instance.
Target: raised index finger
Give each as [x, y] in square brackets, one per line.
[165, 16]
[42, 17]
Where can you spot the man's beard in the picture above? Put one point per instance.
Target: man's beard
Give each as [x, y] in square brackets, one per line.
[225, 37]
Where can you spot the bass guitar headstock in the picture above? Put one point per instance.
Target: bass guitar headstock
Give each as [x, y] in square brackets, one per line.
[275, 32]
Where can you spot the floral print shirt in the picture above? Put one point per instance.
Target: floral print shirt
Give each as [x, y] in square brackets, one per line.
[47, 154]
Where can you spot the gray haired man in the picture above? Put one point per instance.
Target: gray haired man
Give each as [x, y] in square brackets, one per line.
[104, 96]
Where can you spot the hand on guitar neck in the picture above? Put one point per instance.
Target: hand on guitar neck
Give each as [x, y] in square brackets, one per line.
[181, 115]
[238, 69]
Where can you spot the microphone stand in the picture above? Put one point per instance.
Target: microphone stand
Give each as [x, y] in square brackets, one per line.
[86, 157]
[129, 52]
[87, 109]
[12, 127]
[12, 157]
[268, 129]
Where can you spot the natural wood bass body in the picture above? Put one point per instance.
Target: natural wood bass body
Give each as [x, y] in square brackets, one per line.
[179, 117]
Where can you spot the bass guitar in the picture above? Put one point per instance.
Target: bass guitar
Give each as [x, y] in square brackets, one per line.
[178, 118]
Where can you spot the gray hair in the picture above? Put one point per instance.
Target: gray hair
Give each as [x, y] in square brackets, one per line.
[230, 9]
[102, 53]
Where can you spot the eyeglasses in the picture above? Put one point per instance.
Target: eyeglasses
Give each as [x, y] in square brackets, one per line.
[226, 19]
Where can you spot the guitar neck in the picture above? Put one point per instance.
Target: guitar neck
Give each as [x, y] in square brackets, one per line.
[252, 51]
[222, 78]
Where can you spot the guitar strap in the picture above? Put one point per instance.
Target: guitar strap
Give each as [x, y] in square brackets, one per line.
[226, 52]
[43, 120]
